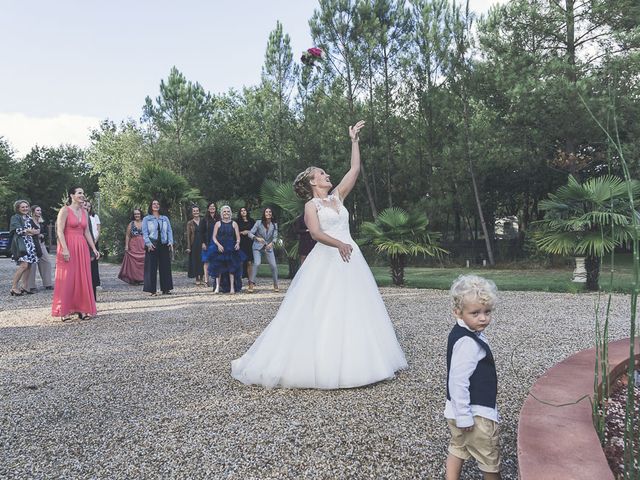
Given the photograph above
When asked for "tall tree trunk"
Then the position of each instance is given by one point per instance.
(570, 142)
(592, 266)
(387, 133)
(367, 187)
(476, 194)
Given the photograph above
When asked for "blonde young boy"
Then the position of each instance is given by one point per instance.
(472, 383)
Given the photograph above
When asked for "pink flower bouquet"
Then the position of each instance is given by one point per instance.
(311, 56)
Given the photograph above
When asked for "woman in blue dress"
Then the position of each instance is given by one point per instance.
(227, 260)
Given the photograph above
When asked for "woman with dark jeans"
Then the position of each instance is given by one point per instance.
(158, 241)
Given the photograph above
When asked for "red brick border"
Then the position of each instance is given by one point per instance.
(560, 443)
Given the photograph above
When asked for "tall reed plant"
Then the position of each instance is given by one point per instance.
(631, 466)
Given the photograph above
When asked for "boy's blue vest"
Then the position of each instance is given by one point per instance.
(483, 384)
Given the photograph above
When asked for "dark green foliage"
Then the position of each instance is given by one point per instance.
(47, 173)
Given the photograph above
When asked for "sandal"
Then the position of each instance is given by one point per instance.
(86, 316)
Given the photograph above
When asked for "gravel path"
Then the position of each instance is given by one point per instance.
(144, 391)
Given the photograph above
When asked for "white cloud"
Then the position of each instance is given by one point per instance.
(24, 132)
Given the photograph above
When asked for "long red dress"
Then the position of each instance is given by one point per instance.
(73, 289)
(132, 270)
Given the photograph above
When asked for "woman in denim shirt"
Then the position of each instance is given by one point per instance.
(158, 242)
(264, 235)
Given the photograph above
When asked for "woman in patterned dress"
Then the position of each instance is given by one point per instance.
(132, 270)
(23, 248)
(46, 264)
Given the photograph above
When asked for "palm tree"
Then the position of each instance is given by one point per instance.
(173, 191)
(398, 235)
(156, 181)
(587, 219)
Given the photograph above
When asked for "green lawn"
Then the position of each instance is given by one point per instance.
(513, 278)
(506, 278)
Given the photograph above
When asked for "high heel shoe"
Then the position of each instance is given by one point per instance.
(28, 292)
(15, 294)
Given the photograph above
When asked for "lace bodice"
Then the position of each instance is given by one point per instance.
(333, 216)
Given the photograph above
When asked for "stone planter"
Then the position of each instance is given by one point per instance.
(580, 272)
(556, 436)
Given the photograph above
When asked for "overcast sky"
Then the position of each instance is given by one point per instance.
(67, 64)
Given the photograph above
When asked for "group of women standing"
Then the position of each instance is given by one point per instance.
(222, 251)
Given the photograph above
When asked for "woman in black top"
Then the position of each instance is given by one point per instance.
(206, 233)
(245, 223)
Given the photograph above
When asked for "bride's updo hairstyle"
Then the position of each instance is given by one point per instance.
(302, 183)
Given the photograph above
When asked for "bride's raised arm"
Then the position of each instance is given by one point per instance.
(349, 180)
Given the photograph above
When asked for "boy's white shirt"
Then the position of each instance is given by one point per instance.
(464, 359)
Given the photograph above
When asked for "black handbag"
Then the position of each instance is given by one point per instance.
(18, 247)
(36, 241)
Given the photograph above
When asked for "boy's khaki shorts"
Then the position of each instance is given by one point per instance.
(481, 443)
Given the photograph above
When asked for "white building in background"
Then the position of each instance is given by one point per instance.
(506, 228)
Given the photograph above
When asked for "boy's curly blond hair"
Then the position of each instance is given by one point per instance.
(467, 288)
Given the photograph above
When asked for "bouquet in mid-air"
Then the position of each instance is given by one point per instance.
(312, 55)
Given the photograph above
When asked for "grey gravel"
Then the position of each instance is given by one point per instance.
(144, 391)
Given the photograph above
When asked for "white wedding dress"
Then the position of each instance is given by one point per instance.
(332, 329)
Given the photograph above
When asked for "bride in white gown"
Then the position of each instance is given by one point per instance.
(332, 329)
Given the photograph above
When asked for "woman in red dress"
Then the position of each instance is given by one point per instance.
(73, 291)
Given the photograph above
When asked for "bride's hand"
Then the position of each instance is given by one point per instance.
(345, 251)
(355, 130)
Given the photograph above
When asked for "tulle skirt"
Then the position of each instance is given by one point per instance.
(206, 255)
(332, 330)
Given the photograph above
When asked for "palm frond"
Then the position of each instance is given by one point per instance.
(557, 243)
(393, 217)
(595, 244)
